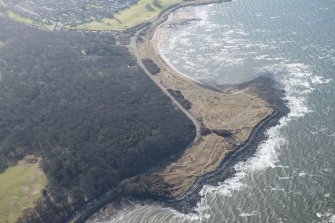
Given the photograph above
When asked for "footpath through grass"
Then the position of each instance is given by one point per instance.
(20, 187)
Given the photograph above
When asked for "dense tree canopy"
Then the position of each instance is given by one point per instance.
(83, 104)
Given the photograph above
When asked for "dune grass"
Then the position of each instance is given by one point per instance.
(20, 187)
(143, 11)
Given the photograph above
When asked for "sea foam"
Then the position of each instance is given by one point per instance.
(298, 81)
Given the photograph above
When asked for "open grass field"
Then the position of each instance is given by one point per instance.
(237, 113)
(143, 11)
(20, 187)
(204, 157)
(19, 18)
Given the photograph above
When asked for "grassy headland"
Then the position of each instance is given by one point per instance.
(227, 117)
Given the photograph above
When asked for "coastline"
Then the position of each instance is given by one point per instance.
(188, 201)
(92, 207)
(266, 89)
(153, 31)
(155, 42)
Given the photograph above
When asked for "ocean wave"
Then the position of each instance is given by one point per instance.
(298, 81)
(302, 174)
(328, 216)
(253, 213)
(285, 178)
(327, 195)
(149, 213)
(320, 80)
(332, 218)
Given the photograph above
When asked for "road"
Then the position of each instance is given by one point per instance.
(133, 45)
(81, 214)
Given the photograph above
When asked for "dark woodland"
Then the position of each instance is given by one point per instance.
(82, 104)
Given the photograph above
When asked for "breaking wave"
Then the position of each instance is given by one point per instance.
(233, 48)
(298, 81)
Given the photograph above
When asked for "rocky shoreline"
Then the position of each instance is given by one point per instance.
(187, 203)
(273, 95)
(266, 89)
(262, 88)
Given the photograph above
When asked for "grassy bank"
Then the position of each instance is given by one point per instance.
(20, 187)
(143, 11)
(20, 18)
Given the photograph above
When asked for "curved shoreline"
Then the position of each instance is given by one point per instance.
(187, 202)
(155, 29)
(155, 44)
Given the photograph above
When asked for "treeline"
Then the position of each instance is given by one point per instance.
(83, 104)
(151, 66)
(178, 95)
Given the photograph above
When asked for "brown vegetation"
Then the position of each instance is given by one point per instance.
(227, 118)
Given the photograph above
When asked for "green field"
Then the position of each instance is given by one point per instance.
(19, 18)
(143, 11)
(20, 187)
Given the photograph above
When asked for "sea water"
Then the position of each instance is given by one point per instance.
(291, 178)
